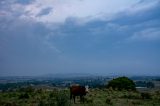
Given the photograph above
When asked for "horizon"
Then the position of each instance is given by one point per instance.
(102, 37)
(59, 75)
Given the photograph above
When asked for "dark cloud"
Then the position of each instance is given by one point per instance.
(150, 14)
(24, 2)
(44, 11)
(31, 47)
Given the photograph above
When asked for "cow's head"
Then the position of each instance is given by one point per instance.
(87, 88)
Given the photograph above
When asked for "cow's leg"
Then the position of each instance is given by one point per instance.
(81, 98)
(70, 96)
(74, 97)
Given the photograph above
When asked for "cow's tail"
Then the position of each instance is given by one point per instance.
(70, 94)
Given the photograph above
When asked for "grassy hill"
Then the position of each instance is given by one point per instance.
(96, 97)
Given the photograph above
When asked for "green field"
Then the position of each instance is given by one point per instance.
(95, 97)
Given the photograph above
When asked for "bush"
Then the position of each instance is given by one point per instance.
(28, 89)
(135, 103)
(62, 98)
(24, 96)
(108, 101)
(131, 96)
(145, 96)
(88, 100)
(54, 98)
(122, 83)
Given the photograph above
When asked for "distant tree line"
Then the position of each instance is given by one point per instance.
(145, 84)
(92, 83)
(157, 79)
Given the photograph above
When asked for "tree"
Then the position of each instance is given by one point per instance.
(122, 83)
(150, 85)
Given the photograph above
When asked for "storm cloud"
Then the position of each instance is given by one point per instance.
(106, 37)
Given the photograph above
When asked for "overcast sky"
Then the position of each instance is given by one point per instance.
(111, 37)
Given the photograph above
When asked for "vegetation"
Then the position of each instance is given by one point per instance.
(39, 97)
(95, 97)
(92, 82)
(119, 92)
(122, 83)
(146, 84)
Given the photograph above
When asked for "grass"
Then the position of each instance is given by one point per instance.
(96, 97)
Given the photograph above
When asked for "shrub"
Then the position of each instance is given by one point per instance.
(42, 103)
(135, 103)
(145, 96)
(131, 96)
(108, 101)
(62, 98)
(24, 96)
(89, 100)
(122, 83)
(28, 89)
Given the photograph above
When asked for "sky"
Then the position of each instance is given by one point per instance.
(106, 37)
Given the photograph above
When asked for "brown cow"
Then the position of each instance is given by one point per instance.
(77, 90)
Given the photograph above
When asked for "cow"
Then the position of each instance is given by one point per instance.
(77, 90)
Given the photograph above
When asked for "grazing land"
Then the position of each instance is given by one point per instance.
(47, 93)
(60, 97)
